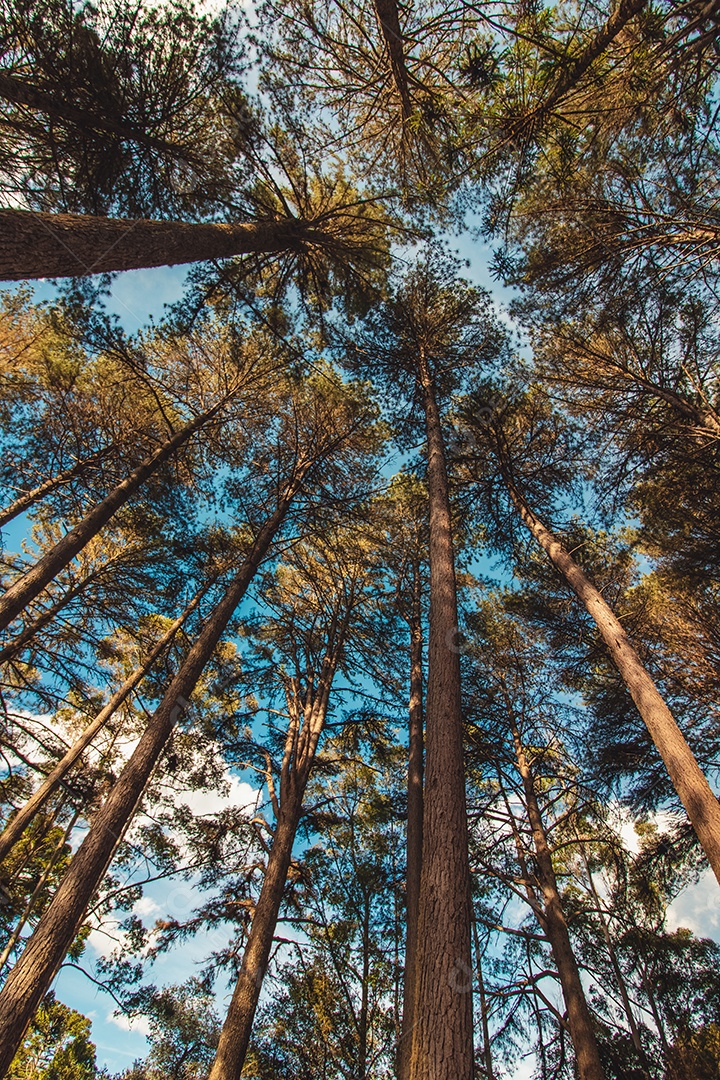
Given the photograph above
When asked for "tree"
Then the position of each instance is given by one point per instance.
(431, 327)
(56, 1047)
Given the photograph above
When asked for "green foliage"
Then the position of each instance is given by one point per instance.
(57, 1046)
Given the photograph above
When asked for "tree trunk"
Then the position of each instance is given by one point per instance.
(42, 245)
(15, 936)
(235, 1036)
(13, 648)
(619, 977)
(442, 1045)
(587, 1056)
(55, 777)
(573, 72)
(27, 587)
(24, 502)
(31, 977)
(414, 827)
(487, 1047)
(389, 19)
(688, 779)
(363, 1018)
(20, 92)
(299, 754)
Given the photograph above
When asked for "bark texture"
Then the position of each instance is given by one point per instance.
(31, 977)
(55, 777)
(414, 827)
(687, 777)
(554, 924)
(27, 587)
(442, 1045)
(42, 245)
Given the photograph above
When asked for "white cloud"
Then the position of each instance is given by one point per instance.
(146, 906)
(127, 1023)
(697, 908)
(240, 794)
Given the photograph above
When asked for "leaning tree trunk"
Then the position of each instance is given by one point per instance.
(42, 881)
(388, 16)
(484, 1011)
(235, 1036)
(619, 977)
(10, 651)
(20, 92)
(572, 73)
(414, 827)
(442, 1044)
(298, 758)
(29, 498)
(31, 977)
(688, 779)
(27, 587)
(587, 1056)
(55, 777)
(40, 245)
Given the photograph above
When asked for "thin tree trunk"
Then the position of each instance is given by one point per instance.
(619, 977)
(20, 92)
(657, 1018)
(29, 498)
(487, 1047)
(15, 936)
(236, 1031)
(31, 977)
(414, 826)
(364, 997)
(573, 72)
(298, 757)
(587, 1056)
(442, 1044)
(55, 777)
(389, 19)
(13, 648)
(27, 587)
(688, 779)
(41, 245)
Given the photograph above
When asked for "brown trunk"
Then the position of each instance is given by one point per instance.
(24, 502)
(690, 783)
(442, 1044)
(625, 11)
(31, 977)
(235, 1036)
(26, 588)
(414, 826)
(487, 1048)
(15, 936)
(41, 245)
(363, 1018)
(580, 1023)
(23, 93)
(299, 754)
(14, 647)
(300, 746)
(389, 19)
(619, 977)
(54, 779)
